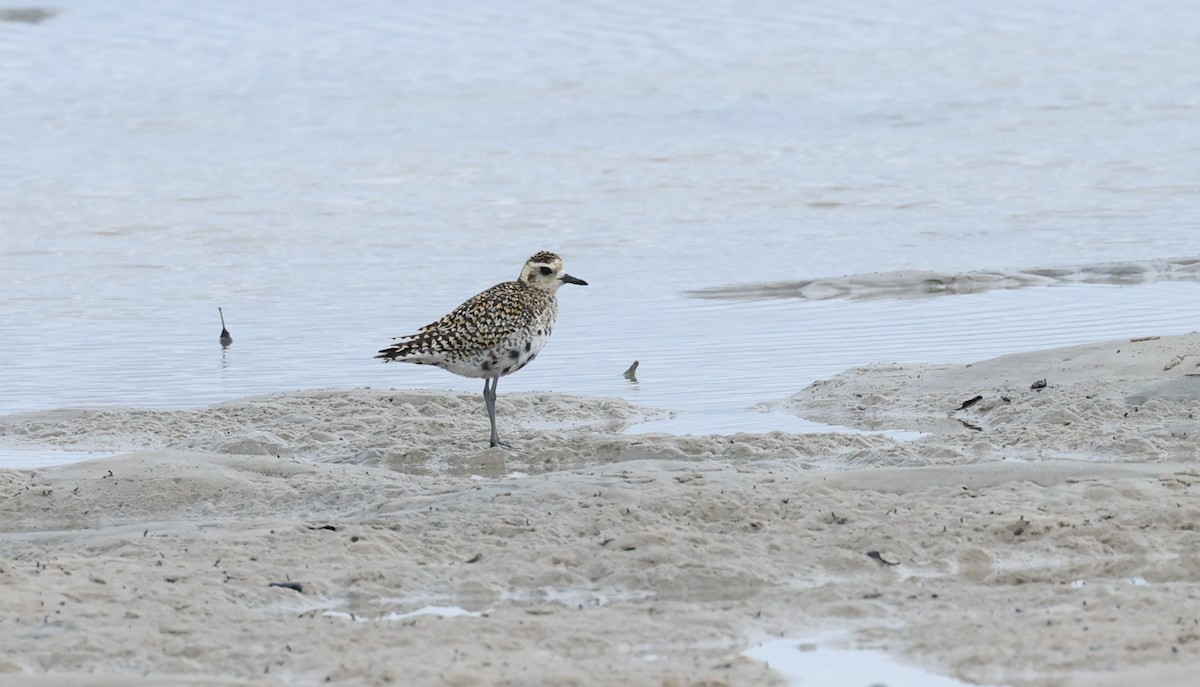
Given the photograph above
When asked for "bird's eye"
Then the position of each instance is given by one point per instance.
(546, 270)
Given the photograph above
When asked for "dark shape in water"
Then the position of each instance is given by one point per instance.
(631, 373)
(226, 339)
(26, 15)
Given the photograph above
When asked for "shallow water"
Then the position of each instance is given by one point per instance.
(21, 457)
(336, 175)
(815, 661)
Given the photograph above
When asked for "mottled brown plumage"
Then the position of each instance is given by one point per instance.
(477, 326)
(493, 333)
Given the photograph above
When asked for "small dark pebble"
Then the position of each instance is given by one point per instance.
(476, 558)
(1038, 385)
(294, 586)
(879, 557)
(331, 528)
(970, 402)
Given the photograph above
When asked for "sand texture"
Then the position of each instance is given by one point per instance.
(1033, 537)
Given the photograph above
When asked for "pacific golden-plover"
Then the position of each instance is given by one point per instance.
(494, 333)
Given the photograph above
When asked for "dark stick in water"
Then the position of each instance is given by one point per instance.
(226, 339)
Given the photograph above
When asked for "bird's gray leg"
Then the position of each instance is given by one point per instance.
(489, 400)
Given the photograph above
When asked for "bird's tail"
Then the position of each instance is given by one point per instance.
(392, 352)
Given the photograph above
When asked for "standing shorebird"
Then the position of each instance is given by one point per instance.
(493, 333)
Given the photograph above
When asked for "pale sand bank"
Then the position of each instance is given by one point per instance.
(1055, 545)
(909, 284)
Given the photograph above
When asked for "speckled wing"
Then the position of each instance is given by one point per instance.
(480, 323)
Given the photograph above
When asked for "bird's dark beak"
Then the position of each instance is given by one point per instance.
(568, 279)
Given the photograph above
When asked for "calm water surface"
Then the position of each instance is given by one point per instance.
(333, 175)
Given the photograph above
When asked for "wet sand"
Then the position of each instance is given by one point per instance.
(1033, 537)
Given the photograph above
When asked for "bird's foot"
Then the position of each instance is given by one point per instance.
(496, 443)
